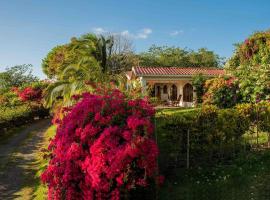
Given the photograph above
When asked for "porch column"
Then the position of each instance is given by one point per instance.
(143, 84)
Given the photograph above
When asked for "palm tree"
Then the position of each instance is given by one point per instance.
(90, 55)
(73, 80)
(104, 51)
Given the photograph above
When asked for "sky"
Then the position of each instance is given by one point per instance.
(29, 29)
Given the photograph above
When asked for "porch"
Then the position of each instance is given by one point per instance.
(178, 93)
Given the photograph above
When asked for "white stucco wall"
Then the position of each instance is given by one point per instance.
(180, 85)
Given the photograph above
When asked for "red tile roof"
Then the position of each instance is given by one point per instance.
(176, 71)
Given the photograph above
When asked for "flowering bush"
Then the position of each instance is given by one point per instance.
(102, 149)
(250, 64)
(223, 92)
(253, 51)
(30, 94)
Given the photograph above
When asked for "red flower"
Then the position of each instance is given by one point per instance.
(102, 145)
(30, 94)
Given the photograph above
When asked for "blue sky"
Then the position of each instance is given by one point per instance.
(29, 29)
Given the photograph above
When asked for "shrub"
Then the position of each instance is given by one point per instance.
(198, 82)
(214, 135)
(223, 92)
(257, 114)
(102, 149)
(19, 115)
(9, 99)
(30, 94)
(250, 64)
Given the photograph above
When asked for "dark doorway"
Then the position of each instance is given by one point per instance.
(158, 92)
(188, 93)
(173, 93)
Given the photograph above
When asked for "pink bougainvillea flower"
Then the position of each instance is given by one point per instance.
(103, 146)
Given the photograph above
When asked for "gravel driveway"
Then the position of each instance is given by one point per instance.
(17, 160)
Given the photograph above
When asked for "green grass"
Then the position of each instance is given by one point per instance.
(175, 111)
(40, 190)
(246, 178)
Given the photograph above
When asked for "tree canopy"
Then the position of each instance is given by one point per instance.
(113, 54)
(178, 57)
(16, 76)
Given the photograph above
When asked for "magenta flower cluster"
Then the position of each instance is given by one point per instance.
(103, 147)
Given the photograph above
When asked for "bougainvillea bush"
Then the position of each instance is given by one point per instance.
(103, 148)
(250, 64)
(30, 94)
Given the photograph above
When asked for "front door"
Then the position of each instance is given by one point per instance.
(188, 93)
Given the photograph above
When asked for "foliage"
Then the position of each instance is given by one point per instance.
(82, 49)
(106, 54)
(254, 51)
(19, 115)
(16, 76)
(258, 114)
(177, 57)
(215, 135)
(74, 80)
(198, 82)
(30, 94)
(222, 91)
(254, 82)
(251, 66)
(119, 63)
(122, 56)
(9, 99)
(103, 147)
(85, 61)
(19, 105)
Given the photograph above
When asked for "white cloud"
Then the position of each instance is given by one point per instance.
(176, 32)
(125, 33)
(144, 33)
(99, 30)
(141, 34)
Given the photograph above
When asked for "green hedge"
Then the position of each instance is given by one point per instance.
(214, 134)
(19, 115)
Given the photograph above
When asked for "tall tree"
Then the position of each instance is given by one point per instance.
(16, 76)
(72, 53)
(104, 51)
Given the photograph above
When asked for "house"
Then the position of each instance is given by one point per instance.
(170, 84)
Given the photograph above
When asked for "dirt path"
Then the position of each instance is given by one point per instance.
(17, 160)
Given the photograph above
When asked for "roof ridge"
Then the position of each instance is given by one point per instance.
(178, 67)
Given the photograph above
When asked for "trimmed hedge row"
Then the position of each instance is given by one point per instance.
(208, 134)
(19, 115)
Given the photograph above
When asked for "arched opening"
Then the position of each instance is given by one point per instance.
(165, 89)
(173, 93)
(188, 93)
(158, 92)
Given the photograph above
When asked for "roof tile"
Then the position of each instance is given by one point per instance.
(161, 71)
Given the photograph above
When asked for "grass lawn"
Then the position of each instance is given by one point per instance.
(175, 111)
(247, 177)
(40, 190)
